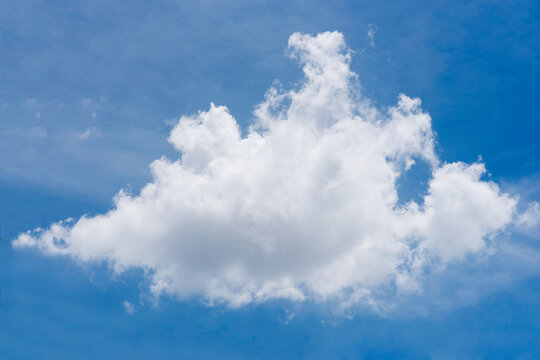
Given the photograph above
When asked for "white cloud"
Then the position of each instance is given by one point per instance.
(530, 218)
(129, 307)
(304, 206)
(91, 132)
(372, 29)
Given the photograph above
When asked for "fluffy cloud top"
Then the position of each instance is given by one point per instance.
(305, 205)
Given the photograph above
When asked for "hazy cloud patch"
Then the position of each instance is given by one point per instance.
(372, 29)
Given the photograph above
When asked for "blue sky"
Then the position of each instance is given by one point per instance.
(90, 92)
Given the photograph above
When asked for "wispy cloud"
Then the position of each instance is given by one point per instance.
(530, 218)
(129, 307)
(372, 29)
(38, 132)
(91, 132)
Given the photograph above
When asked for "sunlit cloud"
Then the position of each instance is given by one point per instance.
(304, 206)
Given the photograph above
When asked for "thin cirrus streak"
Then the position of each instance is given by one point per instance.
(305, 206)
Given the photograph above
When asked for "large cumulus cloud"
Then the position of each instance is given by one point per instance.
(305, 205)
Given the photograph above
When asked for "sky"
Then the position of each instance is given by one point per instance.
(253, 179)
